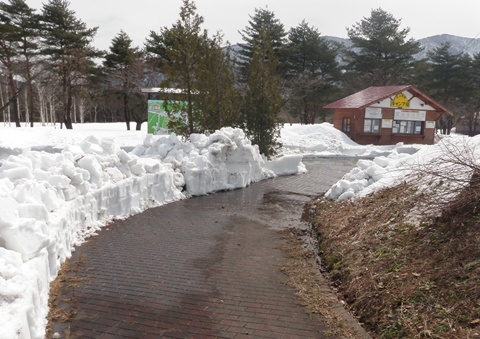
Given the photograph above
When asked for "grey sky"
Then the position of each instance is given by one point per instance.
(138, 17)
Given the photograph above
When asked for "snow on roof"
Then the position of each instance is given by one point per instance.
(165, 90)
(162, 90)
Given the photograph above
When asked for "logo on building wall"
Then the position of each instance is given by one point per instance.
(400, 101)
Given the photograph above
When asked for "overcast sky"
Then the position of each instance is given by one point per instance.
(138, 17)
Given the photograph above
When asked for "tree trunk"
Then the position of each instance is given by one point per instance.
(126, 110)
(305, 112)
(13, 103)
(27, 111)
(189, 106)
(2, 103)
(475, 122)
(74, 108)
(67, 109)
(31, 104)
(81, 109)
(314, 113)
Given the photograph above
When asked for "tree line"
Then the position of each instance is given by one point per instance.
(51, 73)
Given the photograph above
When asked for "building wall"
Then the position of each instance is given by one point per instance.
(391, 120)
(468, 126)
(385, 135)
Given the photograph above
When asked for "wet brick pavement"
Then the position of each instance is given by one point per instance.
(206, 267)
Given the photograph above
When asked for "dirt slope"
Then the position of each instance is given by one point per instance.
(404, 279)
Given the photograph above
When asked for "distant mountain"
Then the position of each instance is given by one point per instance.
(345, 42)
(458, 44)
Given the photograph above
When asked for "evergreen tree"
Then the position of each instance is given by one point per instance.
(473, 115)
(445, 75)
(263, 100)
(179, 50)
(262, 21)
(381, 54)
(312, 71)
(217, 100)
(67, 44)
(124, 67)
(25, 21)
(448, 79)
(10, 40)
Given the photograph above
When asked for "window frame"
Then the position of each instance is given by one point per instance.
(410, 128)
(374, 122)
(346, 124)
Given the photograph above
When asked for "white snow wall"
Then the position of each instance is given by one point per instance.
(31, 254)
(52, 202)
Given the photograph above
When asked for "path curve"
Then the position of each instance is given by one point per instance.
(206, 267)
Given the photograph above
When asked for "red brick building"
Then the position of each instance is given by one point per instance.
(387, 115)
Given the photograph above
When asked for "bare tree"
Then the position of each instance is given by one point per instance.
(450, 181)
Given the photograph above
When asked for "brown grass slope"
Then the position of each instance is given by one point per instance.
(404, 279)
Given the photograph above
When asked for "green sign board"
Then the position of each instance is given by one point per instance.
(157, 117)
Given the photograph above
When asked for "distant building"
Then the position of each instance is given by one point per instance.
(387, 115)
(468, 124)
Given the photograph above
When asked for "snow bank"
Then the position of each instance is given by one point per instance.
(371, 175)
(324, 140)
(50, 202)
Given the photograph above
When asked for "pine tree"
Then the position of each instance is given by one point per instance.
(381, 54)
(67, 44)
(312, 71)
(262, 21)
(262, 98)
(123, 66)
(444, 74)
(217, 100)
(178, 51)
(473, 115)
(449, 79)
(10, 40)
(25, 21)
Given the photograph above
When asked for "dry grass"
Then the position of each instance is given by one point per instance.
(313, 291)
(404, 280)
(61, 308)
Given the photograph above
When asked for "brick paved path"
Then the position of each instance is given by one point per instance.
(206, 267)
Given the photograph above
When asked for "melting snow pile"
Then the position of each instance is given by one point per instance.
(324, 140)
(371, 175)
(51, 201)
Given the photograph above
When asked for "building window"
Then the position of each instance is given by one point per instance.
(346, 125)
(407, 127)
(371, 126)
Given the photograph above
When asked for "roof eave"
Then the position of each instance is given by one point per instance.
(432, 101)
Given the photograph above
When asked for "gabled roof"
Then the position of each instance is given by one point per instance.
(374, 94)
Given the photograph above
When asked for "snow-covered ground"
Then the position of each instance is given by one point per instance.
(323, 140)
(58, 187)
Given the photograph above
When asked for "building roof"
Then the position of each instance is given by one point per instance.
(162, 90)
(374, 94)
